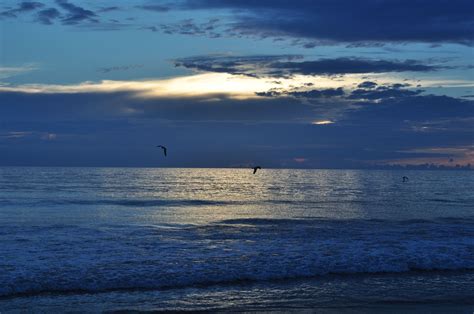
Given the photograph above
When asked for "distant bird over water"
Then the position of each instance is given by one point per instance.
(405, 179)
(256, 168)
(163, 148)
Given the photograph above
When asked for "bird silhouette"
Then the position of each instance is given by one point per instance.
(405, 179)
(163, 148)
(255, 169)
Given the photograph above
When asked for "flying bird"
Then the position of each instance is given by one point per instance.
(256, 168)
(405, 179)
(163, 148)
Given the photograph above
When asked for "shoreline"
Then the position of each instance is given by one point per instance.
(414, 292)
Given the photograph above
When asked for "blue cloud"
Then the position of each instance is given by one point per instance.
(383, 92)
(153, 7)
(353, 22)
(285, 65)
(314, 93)
(367, 84)
(76, 14)
(47, 16)
(22, 7)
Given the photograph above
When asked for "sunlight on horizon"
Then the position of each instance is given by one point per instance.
(322, 122)
(207, 84)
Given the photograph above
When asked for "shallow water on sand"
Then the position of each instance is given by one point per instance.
(121, 238)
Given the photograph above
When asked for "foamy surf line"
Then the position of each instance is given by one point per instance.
(69, 258)
(211, 283)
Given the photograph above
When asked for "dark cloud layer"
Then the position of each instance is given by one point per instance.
(109, 9)
(70, 14)
(367, 84)
(25, 6)
(311, 94)
(285, 65)
(208, 28)
(47, 16)
(243, 65)
(153, 7)
(403, 108)
(350, 65)
(383, 92)
(118, 128)
(120, 68)
(353, 22)
(307, 23)
(76, 14)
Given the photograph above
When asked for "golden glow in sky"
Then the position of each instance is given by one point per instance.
(207, 84)
(322, 122)
(237, 86)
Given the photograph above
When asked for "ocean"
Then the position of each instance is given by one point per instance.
(149, 239)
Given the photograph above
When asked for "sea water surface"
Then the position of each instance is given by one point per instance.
(113, 239)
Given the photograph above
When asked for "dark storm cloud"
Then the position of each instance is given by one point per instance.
(76, 14)
(22, 7)
(47, 16)
(354, 22)
(284, 65)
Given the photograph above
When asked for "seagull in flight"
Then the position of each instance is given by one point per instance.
(163, 148)
(256, 168)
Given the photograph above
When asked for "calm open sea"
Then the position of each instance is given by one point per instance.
(111, 239)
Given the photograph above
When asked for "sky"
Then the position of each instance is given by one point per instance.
(237, 83)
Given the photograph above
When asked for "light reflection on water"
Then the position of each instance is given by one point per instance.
(145, 195)
(70, 230)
